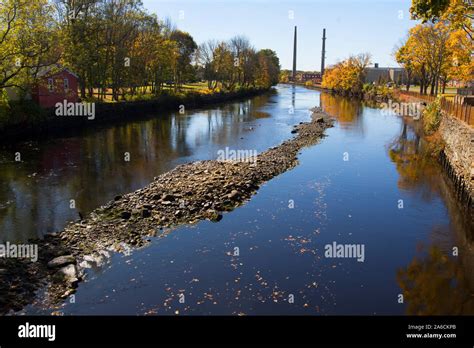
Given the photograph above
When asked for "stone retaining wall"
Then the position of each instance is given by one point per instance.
(458, 155)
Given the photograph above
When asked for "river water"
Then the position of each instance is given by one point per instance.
(369, 183)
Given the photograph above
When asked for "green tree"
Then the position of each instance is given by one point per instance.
(27, 41)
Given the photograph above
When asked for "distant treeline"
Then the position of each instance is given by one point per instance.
(117, 45)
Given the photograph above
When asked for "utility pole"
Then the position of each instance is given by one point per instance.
(323, 53)
(294, 58)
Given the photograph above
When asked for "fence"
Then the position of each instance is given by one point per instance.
(463, 112)
(428, 98)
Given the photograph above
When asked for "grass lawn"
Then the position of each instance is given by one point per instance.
(200, 87)
(416, 88)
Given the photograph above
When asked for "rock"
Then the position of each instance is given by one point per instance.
(68, 274)
(67, 293)
(217, 218)
(201, 190)
(95, 258)
(233, 195)
(167, 197)
(85, 264)
(125, 215)
(61, 261)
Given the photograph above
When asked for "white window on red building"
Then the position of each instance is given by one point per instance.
(50, 85)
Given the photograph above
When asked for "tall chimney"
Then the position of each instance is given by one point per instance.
(323, 52)
(294, 58)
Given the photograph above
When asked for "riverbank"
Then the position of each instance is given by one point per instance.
(187, 194)
(47, 124)
(457, 157)
(456, 154)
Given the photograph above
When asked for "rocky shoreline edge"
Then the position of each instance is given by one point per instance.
(185, 195)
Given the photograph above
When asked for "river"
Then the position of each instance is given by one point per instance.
(368, 183)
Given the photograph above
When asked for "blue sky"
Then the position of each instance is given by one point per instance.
(352, 26)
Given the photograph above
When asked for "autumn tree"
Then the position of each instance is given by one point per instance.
(186, 50)
(347, 77)
(434, 53)
(27, 40)
(458, 13)
(235, 63)
(268, 68)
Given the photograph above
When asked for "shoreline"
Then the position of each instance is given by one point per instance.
(185, 195)
(115, 113)
(456, 156)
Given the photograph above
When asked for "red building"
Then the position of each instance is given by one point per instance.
(55, 84)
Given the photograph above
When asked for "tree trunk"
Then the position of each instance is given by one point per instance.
(433, 83)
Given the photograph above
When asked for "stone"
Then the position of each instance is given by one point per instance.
(125, 215)
(167, 197)
(117, 198)
(68, 274)
(61, 261)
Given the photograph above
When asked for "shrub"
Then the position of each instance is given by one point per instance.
(432, 117)
(21, 111)
(4, 108)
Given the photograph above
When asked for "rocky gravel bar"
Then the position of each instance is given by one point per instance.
(185, 195)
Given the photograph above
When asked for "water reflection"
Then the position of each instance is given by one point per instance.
(90, 168)
(440, 281)
(346, 110)
(438, 285)
(434, 282)
(413, 160)
(349, 202)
